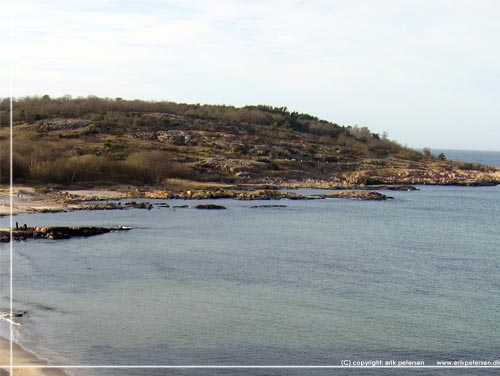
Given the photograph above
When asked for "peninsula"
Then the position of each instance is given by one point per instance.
(137, 148)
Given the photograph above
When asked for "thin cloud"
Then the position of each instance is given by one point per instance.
(410, 68)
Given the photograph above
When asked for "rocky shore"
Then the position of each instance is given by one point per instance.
(358, 195)
(247, 195)
(210, 207)
(56, 232)
(366, 177)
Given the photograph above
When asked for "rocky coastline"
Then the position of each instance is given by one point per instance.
(358, 195)
(55, 232)
(402, 177)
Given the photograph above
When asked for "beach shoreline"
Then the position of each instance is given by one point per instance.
(25, 199)
(23, 357)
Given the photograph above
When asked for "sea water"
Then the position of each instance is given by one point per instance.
(491, 158)
(313, 283)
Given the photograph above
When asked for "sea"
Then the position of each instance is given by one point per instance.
(326, 282)
(491, 158)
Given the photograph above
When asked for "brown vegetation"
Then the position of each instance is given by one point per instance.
(106, 141)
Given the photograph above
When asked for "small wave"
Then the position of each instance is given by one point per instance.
(6, 315)
(42, 306)
(31, 304)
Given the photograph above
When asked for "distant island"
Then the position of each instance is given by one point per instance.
(101, 142)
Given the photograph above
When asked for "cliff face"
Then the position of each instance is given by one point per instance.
(257, 145)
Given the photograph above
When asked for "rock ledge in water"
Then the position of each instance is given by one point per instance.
(56, 232)
(210, 206)
(360, 195)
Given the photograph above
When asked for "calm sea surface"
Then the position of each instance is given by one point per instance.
(491, 158)
(316, 282)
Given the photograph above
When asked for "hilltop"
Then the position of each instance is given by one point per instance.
(99, 141)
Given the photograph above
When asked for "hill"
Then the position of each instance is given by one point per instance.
(102, 141)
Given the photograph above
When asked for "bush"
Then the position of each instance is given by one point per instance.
(73, 170)
(20, 167)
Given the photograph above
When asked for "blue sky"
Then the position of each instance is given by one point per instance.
(426, 71)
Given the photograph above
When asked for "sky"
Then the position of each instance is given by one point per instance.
(425, 71)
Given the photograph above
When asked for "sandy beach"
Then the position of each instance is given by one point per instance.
(22, 357)
(28, 200)
(24, 200)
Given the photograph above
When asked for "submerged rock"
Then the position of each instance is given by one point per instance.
(210, 207)
(268, 206)
(120, 206)
(269, 194)
(104, 206)
(359, 195)
(57, 232)
(50, 210)
(396, 187)
(139, 205)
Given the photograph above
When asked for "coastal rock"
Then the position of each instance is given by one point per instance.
(266, 194)
(425, 174)
(62, 232)
(50, 210)
(206, 194)
(118, 206)
(210, 207)
(158, 194)
(139, 205)
(359, 195)
(104, 206)
(395, 187)
(260, 194)
(268, 206)
(192, 194)
(56, 232)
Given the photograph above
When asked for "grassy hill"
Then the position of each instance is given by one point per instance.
(101, 141)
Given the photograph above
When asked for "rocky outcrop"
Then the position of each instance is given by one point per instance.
(191, 194)
(210, 207)
(57, 232)
(359, 195)
(59, 124)
(437, 175)
(267, 194)
(62, 232)
(396, 187)
(261, 194)
(119, 206)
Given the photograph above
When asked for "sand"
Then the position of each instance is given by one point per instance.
(28, 200)
(24, 358)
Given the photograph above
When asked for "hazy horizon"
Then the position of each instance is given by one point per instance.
(423, 71)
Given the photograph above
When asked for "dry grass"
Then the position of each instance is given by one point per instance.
(183, 184)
